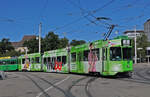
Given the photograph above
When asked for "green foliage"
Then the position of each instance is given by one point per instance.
(63, 42)
(5, 46)
(50, 42)
(6, 49)
(32, 45)
(77, 42)
(12, 53)
(142, 42)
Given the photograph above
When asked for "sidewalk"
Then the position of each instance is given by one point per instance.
(142, 64)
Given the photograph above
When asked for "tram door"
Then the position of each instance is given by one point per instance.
(79, 62)
(104, 57)
(69, 60)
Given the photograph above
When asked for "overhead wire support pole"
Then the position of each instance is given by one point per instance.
(40, 30)
(135, 59)
(109, 32)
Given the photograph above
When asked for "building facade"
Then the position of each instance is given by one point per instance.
(147, 29)
(19, 45)
(131, 33)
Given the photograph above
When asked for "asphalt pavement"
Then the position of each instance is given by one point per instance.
(41, 84)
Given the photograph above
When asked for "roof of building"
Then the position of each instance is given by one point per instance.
(147, 22)
(28, 37)
(20, 43)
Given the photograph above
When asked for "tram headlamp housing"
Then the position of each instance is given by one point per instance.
(126, 42)
(116, 68)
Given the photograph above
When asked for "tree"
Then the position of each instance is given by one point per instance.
(77, 42)
(32, 45)
(5, 46)
(6, 49)
(51, 42)
(142, 42)
(12, 53)
(63, 42)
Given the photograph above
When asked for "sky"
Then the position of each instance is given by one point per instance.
(74, 19)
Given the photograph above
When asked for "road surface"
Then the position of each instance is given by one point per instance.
(40, 84)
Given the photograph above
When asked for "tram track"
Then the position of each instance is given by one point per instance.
(74, 84)
(53, 85)
(37, 85)
(44, 91)
(86, 86)
(67, 93)
(142, 74)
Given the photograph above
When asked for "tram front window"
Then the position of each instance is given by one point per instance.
(115, 53)
(127, 53)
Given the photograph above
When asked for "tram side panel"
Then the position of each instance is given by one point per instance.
(56, 61)
(30, 62)
(86, 59)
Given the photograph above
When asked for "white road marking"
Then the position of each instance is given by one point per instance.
(52, 86)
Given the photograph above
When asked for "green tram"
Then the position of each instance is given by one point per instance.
(107, 58)
(56, 60)
(8, 64)
(30, 62)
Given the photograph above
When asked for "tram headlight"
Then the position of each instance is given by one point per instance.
(116, 67)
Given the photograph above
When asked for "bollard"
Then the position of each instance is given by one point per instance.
(2, 75)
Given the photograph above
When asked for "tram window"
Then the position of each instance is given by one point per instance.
(7, 62)
(53, 60)
(59, 59)
(86, 55)
(12, 62)
(115, 53)
(73, 57)
(48, 60)
(1, 62)
(23, 61)
(45, 60)
(126, 53)
(15, 61)
(32, 60)
(64, 59)
(37, 60)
